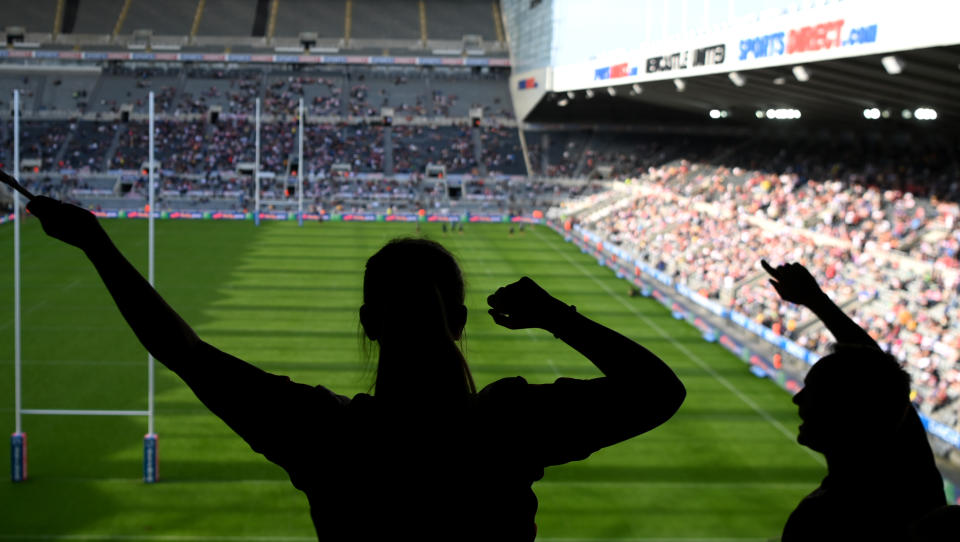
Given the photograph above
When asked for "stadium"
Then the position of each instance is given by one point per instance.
(638, 159)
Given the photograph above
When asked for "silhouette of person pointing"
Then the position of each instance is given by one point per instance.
(425, 457)
(855, 410)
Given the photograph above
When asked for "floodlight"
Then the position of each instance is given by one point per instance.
(780, 81)
(759, 114)
(907, 114)
(892, 64)
(737, 79)
(571, 94)
(781, 114)
(885, 113)
(611, 91)
(637, 89)
(873, 113)
(680, 84)
(714, 113)
(925, 113)
(563, 102)
(589, 93)
(801, 74)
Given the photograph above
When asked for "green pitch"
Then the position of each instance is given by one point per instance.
(285, 298)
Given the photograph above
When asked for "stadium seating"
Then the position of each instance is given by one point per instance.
(35, 16)
(97, 18)
(452, 20)
(363, 26)
(30, 86)
(708, 227)
(369, 20)
(325, 17)
(222, 18)
(167, 18)
(88, 146)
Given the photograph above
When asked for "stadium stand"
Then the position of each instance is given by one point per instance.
(42, 140)
(364, 27)
(71, 93)
(167, 18)
(88, 146)
(887, 255)
(453, 20)
(234, 92)
(223, 18)
(99, 18)
(117, 90)
(30, 86)
(619, 154)
(369, 21)
(35, 16)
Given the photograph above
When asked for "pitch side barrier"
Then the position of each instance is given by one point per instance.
(316, 217)
(676, 297)
(325, 217)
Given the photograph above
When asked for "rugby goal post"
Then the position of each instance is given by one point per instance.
(18, 441)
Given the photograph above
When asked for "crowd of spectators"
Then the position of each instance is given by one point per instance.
(322, 95)
(201, 146)
(416, 146)
(42, 140)
(624, 154)
(88, 146)
(886, 255)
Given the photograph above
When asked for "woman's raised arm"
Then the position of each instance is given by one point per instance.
(158, 327)
(637, 392)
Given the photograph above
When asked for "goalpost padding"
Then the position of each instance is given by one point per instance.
(150, 464)
(18, 456)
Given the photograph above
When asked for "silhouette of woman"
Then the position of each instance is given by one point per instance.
(855, 410)
(425, 456)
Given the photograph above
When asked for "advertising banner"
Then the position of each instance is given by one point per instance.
(262, 59)
(838, 30)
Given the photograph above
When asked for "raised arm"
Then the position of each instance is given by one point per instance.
(632, 372)
(795, 284)
(161, 330)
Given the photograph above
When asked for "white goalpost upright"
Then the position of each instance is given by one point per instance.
(256, 170)
(300, 168)
(18, 442)
(19, 438)
(150, 439)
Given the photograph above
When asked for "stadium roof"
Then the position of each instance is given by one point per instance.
(837, 92)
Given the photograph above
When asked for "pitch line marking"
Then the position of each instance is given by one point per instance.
(693, 357)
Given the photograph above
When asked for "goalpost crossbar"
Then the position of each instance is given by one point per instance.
(74, 412)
